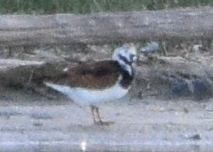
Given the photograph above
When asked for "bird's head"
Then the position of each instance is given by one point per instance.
(125, 55)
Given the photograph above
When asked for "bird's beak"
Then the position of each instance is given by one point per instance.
(135, 60)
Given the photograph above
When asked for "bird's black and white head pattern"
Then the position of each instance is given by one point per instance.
(126, 56)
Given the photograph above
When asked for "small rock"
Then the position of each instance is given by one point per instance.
(195, 137)
(40, 116)
(37, 124)
(201, 88)
(179, 88)
(185, 110)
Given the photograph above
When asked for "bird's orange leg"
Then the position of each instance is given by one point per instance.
(98, 116)
(100, 121)
(93, 114)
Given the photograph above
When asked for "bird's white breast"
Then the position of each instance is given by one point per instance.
(85, 96)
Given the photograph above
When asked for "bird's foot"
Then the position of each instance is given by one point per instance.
(104, 123)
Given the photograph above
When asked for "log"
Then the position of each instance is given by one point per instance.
(18, 72)
(101, 28)
(167, 77)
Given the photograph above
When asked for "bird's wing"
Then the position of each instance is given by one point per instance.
(97, 75)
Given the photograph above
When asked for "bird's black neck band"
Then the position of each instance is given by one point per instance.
(124, 60)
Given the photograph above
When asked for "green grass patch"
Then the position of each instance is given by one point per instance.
(90, 6)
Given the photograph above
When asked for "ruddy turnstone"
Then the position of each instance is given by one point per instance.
(95, 83)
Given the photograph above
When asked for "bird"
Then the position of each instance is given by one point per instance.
(92, 84)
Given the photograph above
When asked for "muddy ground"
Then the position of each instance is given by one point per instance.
(31, 122)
